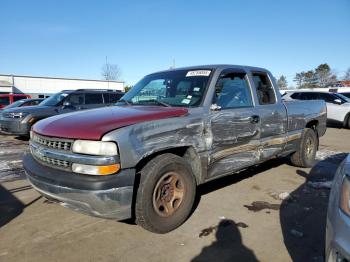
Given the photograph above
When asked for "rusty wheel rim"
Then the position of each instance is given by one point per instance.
(309, 148)
(168, 194)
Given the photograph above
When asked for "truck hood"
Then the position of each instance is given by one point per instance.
(93, 124)
(28, 109)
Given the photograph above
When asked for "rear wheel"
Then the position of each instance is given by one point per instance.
(165, 195)
(306, 154)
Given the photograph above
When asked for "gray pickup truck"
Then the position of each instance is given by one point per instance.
(172, 131)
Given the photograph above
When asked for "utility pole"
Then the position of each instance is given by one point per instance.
(173, 64)
(107, 71)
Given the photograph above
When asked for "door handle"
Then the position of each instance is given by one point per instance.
(255, 119)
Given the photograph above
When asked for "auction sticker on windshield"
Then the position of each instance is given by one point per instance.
(198, 73)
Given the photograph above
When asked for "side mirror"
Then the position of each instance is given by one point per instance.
(337, 101)
(215, 107)
(66, 104)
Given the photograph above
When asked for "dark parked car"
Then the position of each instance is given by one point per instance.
(24, 102)
(338, 216)
(18, 121)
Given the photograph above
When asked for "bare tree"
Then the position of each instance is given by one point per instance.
(347, 75)
(324, 75)
(299, 79)
(111, 71)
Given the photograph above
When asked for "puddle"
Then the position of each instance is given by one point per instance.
(261, 205)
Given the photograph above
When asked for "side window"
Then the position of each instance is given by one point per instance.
(232, 91)
(4, 100)
(29, 103)
(76, 99)
(106, 98)
(113, 98)
(295, 95)
(308, 96)
(16, 98)
(93, 98)
(328, 98)
(264, 88)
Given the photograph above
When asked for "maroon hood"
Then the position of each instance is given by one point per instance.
(93, 124)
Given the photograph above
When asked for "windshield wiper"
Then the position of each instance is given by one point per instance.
(159, 102)
(129, 103)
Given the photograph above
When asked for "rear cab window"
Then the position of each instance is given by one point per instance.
(264, 89)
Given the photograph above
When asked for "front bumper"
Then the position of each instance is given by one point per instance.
(108, 196)
(337, 237)
(14, 127)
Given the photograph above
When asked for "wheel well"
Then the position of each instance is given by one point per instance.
(313, 124)
(187, 152)
(346, 119)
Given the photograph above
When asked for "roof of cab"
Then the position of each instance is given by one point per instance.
(216, 66)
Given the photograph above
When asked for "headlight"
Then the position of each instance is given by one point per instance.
(344, 203)
(97, 148)
(17, 115)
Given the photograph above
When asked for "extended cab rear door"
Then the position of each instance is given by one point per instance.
(235, 126)
(272, 113)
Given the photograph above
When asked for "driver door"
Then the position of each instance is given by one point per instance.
(235, 125)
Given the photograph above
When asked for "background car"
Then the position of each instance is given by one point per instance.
(7, 99)
(24, 102)
(18, 121)
(338, 105)
(338, 216)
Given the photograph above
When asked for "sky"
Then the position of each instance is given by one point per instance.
(72, 38)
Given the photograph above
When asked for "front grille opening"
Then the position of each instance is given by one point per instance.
(53, 143)
(61, 164)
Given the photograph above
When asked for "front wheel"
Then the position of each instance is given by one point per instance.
(306, 154)
(166, 194)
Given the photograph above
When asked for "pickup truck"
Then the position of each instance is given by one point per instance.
(173, 131)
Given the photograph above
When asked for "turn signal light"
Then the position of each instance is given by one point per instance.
(95, 170)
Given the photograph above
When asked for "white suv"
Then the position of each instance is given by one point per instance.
(338, 105)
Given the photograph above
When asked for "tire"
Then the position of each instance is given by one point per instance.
(306, 154)
(348, 122)
(165, 194)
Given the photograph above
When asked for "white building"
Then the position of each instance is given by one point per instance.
(38, 86)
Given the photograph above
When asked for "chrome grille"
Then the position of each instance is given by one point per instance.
(55, 143)
(62, 164)
(6, 115)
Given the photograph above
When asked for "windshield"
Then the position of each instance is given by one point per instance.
(54, 100)
(173, 88)
(342, 97)
(15, 104)
(346, 94)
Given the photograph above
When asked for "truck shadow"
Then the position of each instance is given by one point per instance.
(10, 206)
(228, 245)
(303, 216)
(235, 178)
